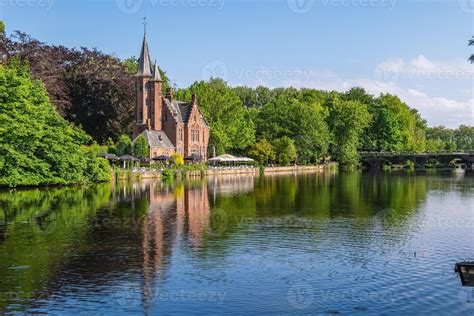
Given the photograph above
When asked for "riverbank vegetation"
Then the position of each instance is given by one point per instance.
(38, 146)
(94, 91)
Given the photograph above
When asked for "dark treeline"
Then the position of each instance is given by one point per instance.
(95, 91)
(89, 88)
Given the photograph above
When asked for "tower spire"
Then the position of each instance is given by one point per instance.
(145, 23)
(144, 64)
(156, 73)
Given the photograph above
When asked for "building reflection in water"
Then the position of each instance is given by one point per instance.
(176, 214)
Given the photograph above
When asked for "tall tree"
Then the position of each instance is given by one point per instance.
(304, 122)
(89, 88)
(347, 121)
(464, 137)
(37, 146)
(140, 147)
(231, 126)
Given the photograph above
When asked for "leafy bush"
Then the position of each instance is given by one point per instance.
(37, 146)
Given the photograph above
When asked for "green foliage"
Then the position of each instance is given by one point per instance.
(262, 152)
(464, 138)
(347, 120)
(2, 28)
(285, 150)
(140, 147)
(289, 114)
(124, 145)
(440, 138)
(110, 145)
(168, 173)
(231, 126)
(177, 159)
(253, 98)
(410, 126)
(37, 146)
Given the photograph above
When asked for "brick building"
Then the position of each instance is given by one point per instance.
(168, 125)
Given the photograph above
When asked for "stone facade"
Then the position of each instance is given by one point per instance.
(170, 126)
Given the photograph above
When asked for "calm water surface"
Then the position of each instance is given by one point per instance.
(327, 243)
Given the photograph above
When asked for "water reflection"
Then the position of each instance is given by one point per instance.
(124, 247)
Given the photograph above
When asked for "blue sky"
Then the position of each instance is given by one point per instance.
(415, 49)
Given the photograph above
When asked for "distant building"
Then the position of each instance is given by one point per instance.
(168, 125)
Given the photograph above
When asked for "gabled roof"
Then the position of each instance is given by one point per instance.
(156, 139)
(185, 109)
(144, 64)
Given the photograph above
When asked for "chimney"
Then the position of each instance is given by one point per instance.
(169, 94)
(194, 98)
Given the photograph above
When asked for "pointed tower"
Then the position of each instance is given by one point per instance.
(156, 99)
(143, 90)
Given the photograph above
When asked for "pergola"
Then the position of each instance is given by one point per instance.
(128, 158)
(229, 160)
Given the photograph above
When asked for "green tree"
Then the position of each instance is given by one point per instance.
(253, 98)
(140, 147)
(289, 114)
(231, 126)
(285, 150)
(347, 120)
(37, 146)
(124, 145)
(440, 138)
(409, 126)
(262, 152)
(464, 137)
(2, 28)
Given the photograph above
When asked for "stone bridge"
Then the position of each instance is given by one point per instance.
(376, 160)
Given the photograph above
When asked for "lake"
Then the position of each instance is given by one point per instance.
(317, 243)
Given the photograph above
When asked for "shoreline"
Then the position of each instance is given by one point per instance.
(137, 175)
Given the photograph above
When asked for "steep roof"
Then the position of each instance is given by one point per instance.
(181, 110)
(144, 64)
(185, 109)
(157, 139)
(156, 73)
